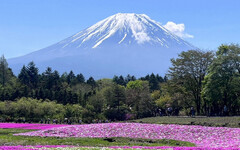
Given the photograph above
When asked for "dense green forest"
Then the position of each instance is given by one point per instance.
(204, 81)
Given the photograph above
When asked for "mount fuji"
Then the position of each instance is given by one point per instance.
(125, 43)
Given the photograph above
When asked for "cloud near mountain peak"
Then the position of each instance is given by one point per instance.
(178, 29)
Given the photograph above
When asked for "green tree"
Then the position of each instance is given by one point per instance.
(4, 71)
(23, 76)
(221, 85)
(115, 97)
(92, 82)
(73, 111)
(129, 78)
(98, 102)
(71, 77)
(56, 81)
(80, 78)
(47, 78)
(153, 82)
(33, 74)
(119, 80)
(138, 98)
(188, 72)
(29, 75)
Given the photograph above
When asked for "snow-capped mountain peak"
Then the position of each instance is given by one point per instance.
(124, 43)
(123, 28)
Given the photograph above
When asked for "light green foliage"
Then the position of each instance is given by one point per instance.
(73, 111)
(139, 98)
(164, 101)
(137, 85)
(35, 110)
(156, 94)
(103, 83)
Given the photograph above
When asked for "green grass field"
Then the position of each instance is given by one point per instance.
(8, 139)
(205, 121)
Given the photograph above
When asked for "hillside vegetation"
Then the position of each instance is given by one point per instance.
(198, 83)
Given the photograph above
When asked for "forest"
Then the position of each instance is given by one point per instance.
(206, 81)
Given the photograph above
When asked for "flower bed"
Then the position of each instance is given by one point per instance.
(66, 147)
(30, 126)
(214, 137)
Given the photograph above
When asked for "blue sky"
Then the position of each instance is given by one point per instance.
(29, 25)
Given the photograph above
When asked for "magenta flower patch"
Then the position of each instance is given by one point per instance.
(204, 137)
(67, 147)
(30, 126)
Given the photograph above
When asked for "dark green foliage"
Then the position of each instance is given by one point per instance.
(123, 81)
(92, 82)
(29, 76)
(119, 80)
(193, 81)
(115, 100)
(153, 82)
(80, 78)
(7, 81)
(188, 72)
(4, 71)
(32, 72)
(222, 84)
(23, 76)
(71, 78)
(139, 99)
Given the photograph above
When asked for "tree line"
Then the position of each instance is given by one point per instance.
(206, 81)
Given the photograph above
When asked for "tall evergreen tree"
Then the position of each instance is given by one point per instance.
(48, 78)
(23, 76)
(56, 81)
(4, 74)
(153, 83)
(121, 81)
(92, 82)
(80, 78)
(32, 71)
(71, 77)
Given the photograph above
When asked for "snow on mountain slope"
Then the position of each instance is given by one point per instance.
(125, 29)
(119, 43)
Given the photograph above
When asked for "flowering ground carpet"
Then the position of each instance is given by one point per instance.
(203, 137)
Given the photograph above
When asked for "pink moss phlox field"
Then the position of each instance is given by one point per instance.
(215, 137)
(111, 147)
(30, 126)
(171, 148)
(37, 147)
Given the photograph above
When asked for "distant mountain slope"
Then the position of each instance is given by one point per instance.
(120, 44)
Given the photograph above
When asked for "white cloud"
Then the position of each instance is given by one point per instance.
(141, 37)
(177, 29)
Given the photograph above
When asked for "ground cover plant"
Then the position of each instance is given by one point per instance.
(8, 139)
(215, 137)
(64, 147)
(30, 126)
(198, 120)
